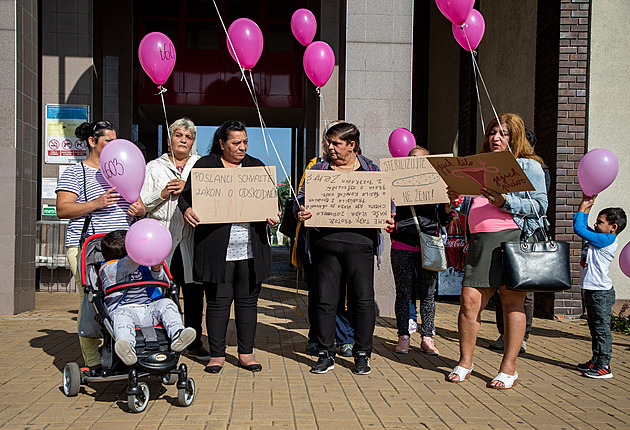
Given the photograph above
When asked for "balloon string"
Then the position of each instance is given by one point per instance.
(161, 94)
(483, 125)
(476, 65)
(251, 92)
(321, 100)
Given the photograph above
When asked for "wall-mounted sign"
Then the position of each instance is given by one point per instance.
(62, 146)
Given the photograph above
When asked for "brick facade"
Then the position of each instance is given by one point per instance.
(560, 124)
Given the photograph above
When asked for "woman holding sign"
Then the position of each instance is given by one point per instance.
(343, 253)
(494, 218)
(164, 181)
(230, 259)
(92, 206)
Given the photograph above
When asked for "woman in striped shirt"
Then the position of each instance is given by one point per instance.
(82, 190)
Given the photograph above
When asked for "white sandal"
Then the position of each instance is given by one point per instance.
(508, 381)
(461, 372)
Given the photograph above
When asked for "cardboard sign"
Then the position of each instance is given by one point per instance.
(347, 199)
(222, 195)
(414, 180)
(497, 171)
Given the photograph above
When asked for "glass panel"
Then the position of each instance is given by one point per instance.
(202, 35)
(167, 27)
(242, 9)
(282, 10)
(280, 38)
(161, 8)
(200, 9)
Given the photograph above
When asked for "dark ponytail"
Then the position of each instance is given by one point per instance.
(223, 132)
(94, 130)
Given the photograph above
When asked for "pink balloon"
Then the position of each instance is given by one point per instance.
(318, 62)
(624, 260)
(455, 10)
(474, 27)
(401, 141)
(303, 26)
(247, 40)
(148, 242)
(157, 56)
(122, 164)
(597, 170)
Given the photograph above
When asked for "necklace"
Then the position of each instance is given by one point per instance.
(354, 165)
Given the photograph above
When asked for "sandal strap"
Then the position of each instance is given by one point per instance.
(507, 380)
(461, 372)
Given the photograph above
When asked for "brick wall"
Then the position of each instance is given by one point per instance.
(560, 124)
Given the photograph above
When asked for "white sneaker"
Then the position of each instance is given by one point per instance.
(183, 338)
(126, 352)
(413, 326)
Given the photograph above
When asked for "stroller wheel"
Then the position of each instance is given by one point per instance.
(170, 379)
(185, 396)
(71, 379)
(138, 402)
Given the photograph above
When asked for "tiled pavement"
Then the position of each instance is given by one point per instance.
(407, 391)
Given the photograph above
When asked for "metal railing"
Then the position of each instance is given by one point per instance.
(50, 256)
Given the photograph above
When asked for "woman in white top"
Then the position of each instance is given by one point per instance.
(231, 259)
(164, 181)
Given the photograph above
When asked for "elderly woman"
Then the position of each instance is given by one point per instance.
(231, 260)
(83, 193)
(163, 184)
(343, 253)
(494, 218)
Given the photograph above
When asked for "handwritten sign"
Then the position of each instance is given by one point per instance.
(234, 195)
(497, 171)
(347, 199)
(414, 181)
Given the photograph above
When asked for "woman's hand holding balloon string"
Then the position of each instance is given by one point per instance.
(303, 214)
(137, 209)
(173, 187)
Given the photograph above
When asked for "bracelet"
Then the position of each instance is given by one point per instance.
(458, 201)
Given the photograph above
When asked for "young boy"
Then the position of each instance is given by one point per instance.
(137, 307)
(598, 293)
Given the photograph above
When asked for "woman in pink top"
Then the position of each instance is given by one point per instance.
(494, 218)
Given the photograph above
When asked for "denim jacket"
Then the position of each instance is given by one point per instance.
(526, 207)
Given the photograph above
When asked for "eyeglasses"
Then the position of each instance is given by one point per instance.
(102, 124)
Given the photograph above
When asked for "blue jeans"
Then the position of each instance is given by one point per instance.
(599, 305)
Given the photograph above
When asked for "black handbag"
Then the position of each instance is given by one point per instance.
(539, 265)
(288, 223)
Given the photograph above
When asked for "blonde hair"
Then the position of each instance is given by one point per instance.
(418, 148)
(186, 124)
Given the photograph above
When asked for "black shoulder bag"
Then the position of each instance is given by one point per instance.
(88, 217)
(538, 265)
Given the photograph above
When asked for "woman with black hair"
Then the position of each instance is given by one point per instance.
(232, 259)
(83, 192)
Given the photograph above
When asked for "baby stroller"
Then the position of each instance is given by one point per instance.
(155, 359)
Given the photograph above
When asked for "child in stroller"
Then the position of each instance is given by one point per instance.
(148, 347)
(142, 307)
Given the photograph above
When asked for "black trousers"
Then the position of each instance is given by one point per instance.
(239, 287)
(332, 260)
(193, 298)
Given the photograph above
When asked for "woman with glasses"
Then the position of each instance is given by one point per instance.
(92, 206)
(163, 184)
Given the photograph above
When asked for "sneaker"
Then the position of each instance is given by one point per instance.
(599, 371)
(583, 367)
(183, 338)
(324, 363)
(126, 352)
(428, 347)
(361, 363)
(413, 326)
(345, 350)
(498, 344)
(523, 347)
(403, 345)
(312, 348)
(198, 352)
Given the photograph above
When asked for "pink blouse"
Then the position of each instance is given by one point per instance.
(484, 217)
